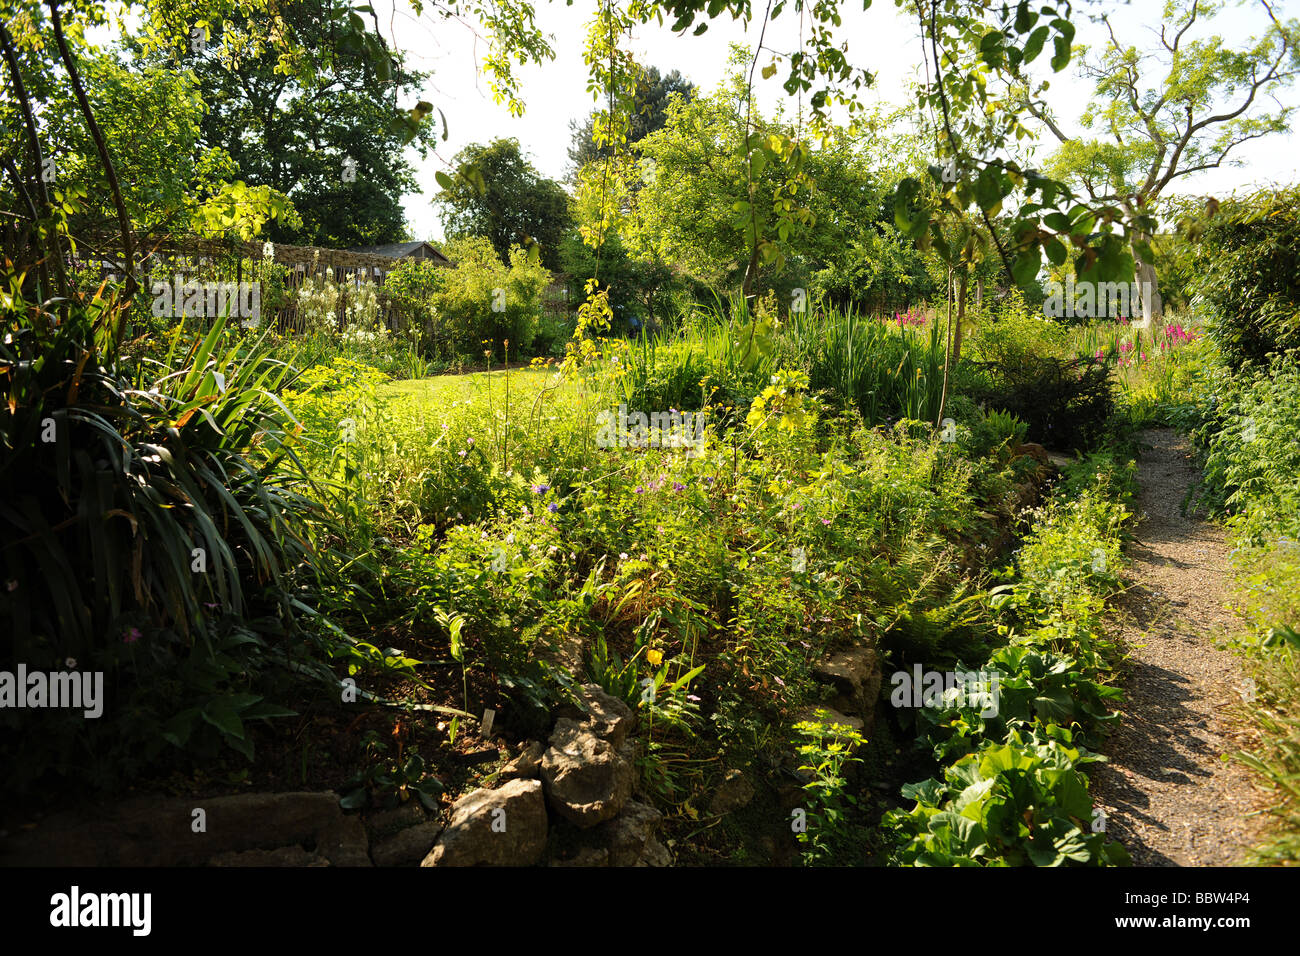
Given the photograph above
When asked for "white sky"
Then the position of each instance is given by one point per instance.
(881, 39)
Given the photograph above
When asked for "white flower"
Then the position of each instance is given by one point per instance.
(268, 250)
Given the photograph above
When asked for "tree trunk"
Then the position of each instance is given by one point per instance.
(961, 315)
(1152, 305)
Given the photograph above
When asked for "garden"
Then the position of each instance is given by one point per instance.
(766, 493)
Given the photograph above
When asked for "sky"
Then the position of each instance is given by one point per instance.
(882, 39)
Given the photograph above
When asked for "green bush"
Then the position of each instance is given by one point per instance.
(482, 303)
(1248, 263)
(156, 528)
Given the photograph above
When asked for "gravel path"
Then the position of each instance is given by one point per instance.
(1168, 796)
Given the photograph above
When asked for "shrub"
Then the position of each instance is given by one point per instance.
(484, 301)
(1249, 274)
(155, 529)
(1064, 403)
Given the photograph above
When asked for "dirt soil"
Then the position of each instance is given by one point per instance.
(1168, 795)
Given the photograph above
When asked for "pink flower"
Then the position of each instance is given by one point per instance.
(132, 635)
(826, 520)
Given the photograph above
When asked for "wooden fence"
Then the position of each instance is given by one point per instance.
(214, 261)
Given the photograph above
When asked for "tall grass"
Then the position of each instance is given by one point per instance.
(882, 371)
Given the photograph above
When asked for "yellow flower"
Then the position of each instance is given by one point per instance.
(654, 657)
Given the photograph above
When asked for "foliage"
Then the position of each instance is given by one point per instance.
(483, 303)
(1010, 804)
(649, 112)
(1247, 262)
(827, 750)
(389, 781)
(164, 508)
(516, 206)
(324, 137)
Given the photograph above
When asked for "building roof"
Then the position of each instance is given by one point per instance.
(404, 250)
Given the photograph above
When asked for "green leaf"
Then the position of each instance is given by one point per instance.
(1025, 268)
(354, 800)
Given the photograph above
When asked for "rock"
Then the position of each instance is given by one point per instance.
(609, 718)
(527, 765)
(344, 843)
(734, 792)
(855, 674)
(284, 856)
(655, 854)
(627, 834)
(385, 823)
(828, 715)
(584, 856)
(503, 827)
(407, 847)
(1034, 451)
(159, 831)
(587, 780)
(629, 839)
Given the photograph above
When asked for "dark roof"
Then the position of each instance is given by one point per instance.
(403, 250)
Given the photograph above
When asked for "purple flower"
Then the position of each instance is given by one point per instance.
(541, 489)
(132, 635)
(552, 507)
(708, 479)
(640, 490)
(678, 486)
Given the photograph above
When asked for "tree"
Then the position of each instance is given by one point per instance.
(1169, 112)
(149, 119)
(325, 138)
(500, 196)
(649, 113)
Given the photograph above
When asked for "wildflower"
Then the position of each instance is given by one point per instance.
(622, 555)
(640, 490)
(552, 507)
(461, 453)
(541, 489)
(654, 657)
(678, 486)
(469, 441)
(70, 663)
(132, 635)
(826, 520)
